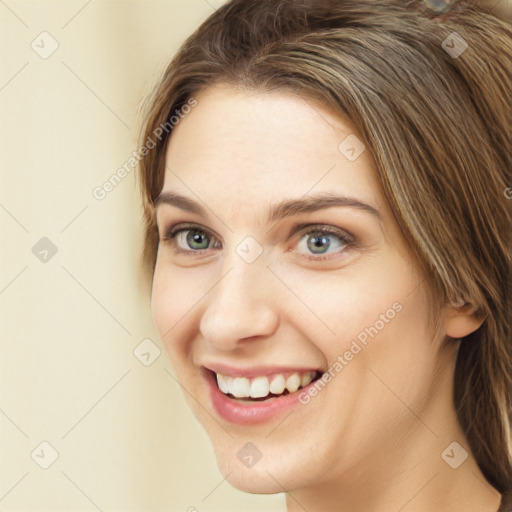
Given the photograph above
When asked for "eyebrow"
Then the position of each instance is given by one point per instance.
(285, 208)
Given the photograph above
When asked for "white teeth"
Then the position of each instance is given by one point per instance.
(239, 387)
(259, 387)
(229, 382)
(277, 386)
(293, 382)
(222, 382)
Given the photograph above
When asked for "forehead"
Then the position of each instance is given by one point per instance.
(241, 148)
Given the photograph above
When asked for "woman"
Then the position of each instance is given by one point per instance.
(327, 230)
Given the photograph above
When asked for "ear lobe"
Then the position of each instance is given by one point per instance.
(462, 320)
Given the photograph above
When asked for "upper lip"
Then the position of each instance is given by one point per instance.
(255, 371)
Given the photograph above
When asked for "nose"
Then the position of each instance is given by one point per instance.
(241, 306)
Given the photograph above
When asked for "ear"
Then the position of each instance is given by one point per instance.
(461, 320)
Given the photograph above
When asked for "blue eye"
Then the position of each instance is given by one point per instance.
(320, 240)
(195, 239)
(192, 239)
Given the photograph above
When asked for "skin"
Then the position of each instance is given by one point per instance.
(372, 439)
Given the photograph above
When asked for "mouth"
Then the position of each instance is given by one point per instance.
(257, 398)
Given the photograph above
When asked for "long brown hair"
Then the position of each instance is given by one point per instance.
(428, 93)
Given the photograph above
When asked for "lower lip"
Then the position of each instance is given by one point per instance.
(250, 413)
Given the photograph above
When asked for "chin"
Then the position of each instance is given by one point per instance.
(255, 481)
(269, 475)
(262, 484)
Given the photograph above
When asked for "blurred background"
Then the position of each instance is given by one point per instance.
(91, 417)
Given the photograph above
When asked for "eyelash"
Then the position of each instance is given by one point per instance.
(302, 229)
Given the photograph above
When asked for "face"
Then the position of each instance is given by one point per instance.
(254, 295)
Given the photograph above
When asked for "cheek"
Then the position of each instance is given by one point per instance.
(361, 303)
(383, 356)
(395, 372)
(406, 357)
(175, 294)
(380, 322)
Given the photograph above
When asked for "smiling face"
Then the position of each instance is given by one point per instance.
(251, 289)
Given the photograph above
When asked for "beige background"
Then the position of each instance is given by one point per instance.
(125, 439)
